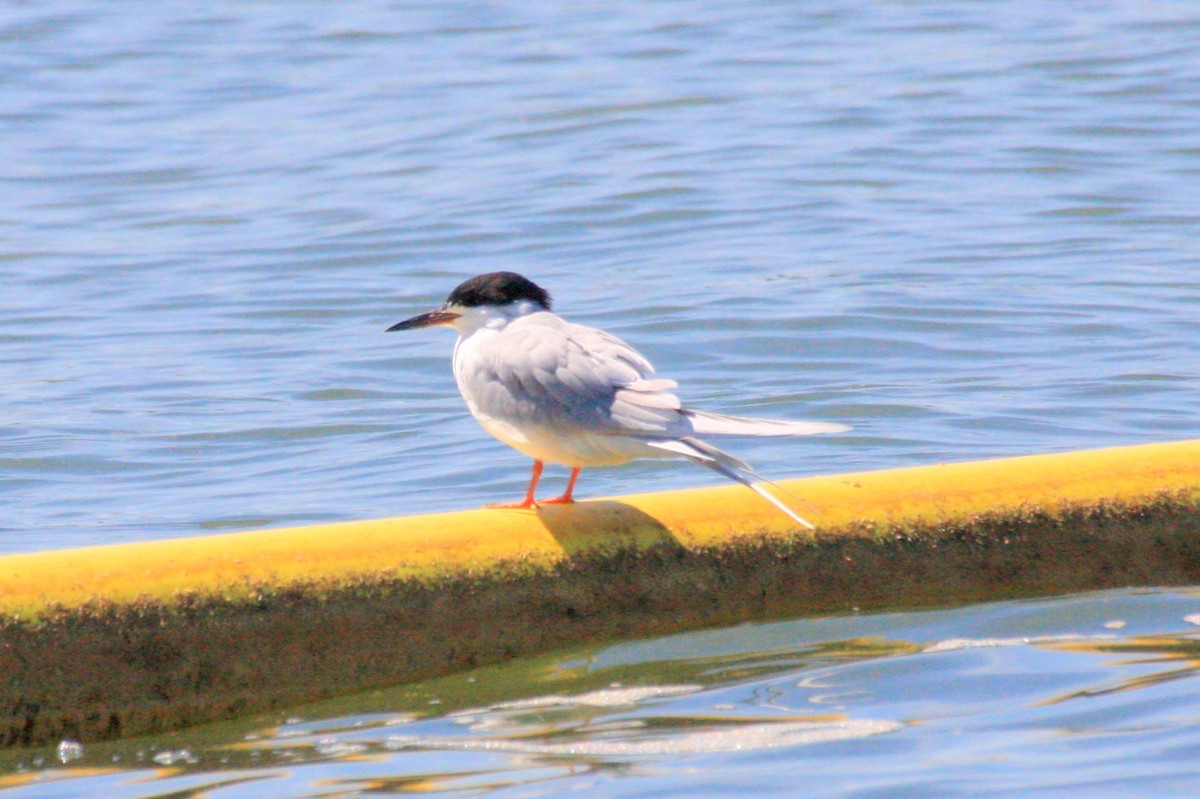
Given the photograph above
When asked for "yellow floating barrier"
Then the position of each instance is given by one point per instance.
(132, 639)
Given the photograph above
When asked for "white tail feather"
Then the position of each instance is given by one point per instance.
(725, 464)
(718, 424)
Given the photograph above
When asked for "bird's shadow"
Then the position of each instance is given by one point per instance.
(598, 525)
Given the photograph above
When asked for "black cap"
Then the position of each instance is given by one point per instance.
(498, 288)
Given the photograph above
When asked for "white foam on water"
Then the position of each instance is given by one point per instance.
(733, 738)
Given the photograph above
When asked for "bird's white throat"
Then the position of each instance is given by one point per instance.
(492, 317)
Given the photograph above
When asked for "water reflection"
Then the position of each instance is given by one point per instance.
(1147, 651)
(921, 696)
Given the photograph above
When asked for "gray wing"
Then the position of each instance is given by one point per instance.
(550, 372)
(559, 374)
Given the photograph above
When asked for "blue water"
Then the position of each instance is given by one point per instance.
(1092, 695)
(967, 229)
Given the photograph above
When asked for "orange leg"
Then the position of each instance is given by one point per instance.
(566, 498)
(529, 501)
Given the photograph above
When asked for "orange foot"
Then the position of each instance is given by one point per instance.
(566, 498)
(529, 503)
(523, 505)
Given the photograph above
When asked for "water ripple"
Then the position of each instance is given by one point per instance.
(968, 234)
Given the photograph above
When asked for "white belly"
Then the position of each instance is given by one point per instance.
(569, 447)
(535, 424)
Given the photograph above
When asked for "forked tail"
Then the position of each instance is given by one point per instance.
(707, 455)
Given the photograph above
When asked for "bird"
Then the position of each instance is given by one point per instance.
(575, 395)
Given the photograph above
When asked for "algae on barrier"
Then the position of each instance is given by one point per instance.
(109, 670)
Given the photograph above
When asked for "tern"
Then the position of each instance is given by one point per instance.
(567, 393)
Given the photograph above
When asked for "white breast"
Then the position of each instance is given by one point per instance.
(537, 391)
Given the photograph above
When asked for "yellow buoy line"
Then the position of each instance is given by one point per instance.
(132, 639)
